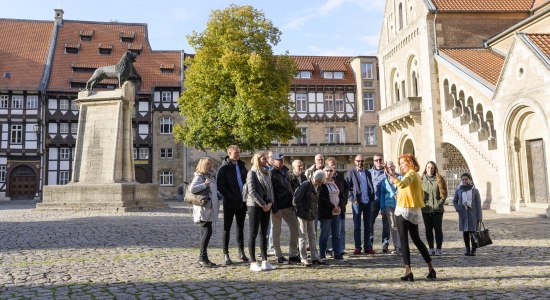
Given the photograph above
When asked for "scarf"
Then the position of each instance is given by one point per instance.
(264, 176)
(467, 194)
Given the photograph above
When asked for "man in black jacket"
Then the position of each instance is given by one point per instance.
(282, 209)
(230, 180)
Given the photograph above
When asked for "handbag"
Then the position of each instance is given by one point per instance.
(482, 237)
(201, 198)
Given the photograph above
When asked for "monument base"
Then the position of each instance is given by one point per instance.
(101, 197)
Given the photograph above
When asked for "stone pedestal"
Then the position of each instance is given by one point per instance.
(103, 173)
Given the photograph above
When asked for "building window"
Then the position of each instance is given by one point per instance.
(17, 102)
(166, 178)
(74, 107)
(303, 138)
(63, 127)
(16, 134)
(366, 71)
(166, 153)
(143, 153)
(166, 96)
(63, 104)
(74, 128)
(63, 177)
(3, 101)
(370, 135)
(338, 75)
(303, 74)
(135, 153)
(105, 51)
(329, 103)
(400, 16)
(335, 135)
(301, 102)
(166, 125)
(327, 75)
(368, 101)
(32, 101)
(339, 102)
(3, 169)
(64, 153)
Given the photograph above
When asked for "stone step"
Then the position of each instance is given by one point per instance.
(532, 212)
(99, 206)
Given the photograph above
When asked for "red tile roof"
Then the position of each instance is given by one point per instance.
(24, 46)
(108, 35)
(484, 63)
(542, 41)
(483, 5)
(318, 64)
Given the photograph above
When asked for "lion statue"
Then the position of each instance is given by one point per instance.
(122, 71)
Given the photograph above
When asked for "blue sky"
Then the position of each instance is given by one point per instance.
(310, 27)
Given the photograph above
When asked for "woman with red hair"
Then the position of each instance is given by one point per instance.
(408, 212)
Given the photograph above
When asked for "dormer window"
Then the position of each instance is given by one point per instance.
(83, 68)
(333, 75)
(105, 49)
(135, 48)
(72, 48)
(303, 74)
(86, 35)
(127, 37)
(167, 69)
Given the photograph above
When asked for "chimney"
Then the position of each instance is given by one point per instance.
(59, 16)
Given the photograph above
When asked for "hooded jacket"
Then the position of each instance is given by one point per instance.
(227, 183)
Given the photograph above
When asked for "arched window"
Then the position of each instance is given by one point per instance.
(397, 92)
(400, 16)
(414, 83)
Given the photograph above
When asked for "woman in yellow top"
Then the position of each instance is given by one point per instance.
(408, 212)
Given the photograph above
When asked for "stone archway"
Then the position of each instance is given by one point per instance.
(454, 166)
(408, 147)
(22, 183)
(527, 158)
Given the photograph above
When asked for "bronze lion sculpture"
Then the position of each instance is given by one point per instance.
(122, 71)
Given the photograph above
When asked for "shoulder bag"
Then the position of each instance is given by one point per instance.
(481, 237)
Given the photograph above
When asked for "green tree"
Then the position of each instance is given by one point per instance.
(236, 90)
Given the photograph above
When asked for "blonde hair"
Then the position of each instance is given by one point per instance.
(256, 160)
(201, 165)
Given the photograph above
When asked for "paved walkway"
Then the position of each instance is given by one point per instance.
(152, 255)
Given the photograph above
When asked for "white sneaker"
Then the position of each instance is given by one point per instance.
(266, 266)
(255, 267)
(271, 251)
(438, 252)
(431, 251)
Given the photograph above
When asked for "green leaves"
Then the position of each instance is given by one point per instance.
(236, 90)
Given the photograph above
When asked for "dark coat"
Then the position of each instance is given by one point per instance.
(294, 182)
(354, 181)
(325, 206)
(306, 201)
(282, 192)
(340, 180)
(228, 185)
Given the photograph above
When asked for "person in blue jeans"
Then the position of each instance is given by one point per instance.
(378, 175)
(361, 195)
(329, 215)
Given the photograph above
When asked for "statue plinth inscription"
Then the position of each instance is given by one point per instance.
(103, 170)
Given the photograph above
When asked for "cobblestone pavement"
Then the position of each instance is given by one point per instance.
(152, 255)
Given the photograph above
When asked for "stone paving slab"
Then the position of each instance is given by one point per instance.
(152, 255)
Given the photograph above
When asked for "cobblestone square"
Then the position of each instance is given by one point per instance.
(152, 255)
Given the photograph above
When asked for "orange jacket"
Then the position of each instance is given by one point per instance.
(410, 192)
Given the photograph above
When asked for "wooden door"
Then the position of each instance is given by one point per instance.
(536, 161)
(22, 183)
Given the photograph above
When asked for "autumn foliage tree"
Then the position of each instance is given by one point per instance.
(236, 91)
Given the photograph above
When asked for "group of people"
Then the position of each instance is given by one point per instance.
(317, 197)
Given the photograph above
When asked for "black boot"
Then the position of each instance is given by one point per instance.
(227, 260)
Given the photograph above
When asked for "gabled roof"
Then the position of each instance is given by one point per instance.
(109, 35)
(24, 46)
(483, 5)
(318, 64)
(482, 62)
(542, 41)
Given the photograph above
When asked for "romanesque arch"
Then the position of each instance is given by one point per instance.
(455, 165)
(526, 133)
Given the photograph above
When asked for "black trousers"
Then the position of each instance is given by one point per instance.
(257, 218)
(467, 235)
(206, 233)
(434, 222)
(406, 228)
(240, 216)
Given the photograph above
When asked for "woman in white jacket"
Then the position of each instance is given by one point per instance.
(208, 214)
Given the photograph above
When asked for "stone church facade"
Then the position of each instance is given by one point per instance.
(465, 84)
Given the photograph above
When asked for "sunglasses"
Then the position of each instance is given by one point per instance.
(379, 159)
(330, 171)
